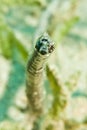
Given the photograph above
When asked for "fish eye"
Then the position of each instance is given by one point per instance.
(44, 40)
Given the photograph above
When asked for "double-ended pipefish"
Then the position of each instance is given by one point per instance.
(34, 79)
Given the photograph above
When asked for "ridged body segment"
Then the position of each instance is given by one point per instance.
(35, 90)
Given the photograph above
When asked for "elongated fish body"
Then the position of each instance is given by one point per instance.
(34, 79)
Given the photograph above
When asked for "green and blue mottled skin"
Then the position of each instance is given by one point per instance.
(34, 80)
(44, 45)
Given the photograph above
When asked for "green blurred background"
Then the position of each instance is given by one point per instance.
(21, 23)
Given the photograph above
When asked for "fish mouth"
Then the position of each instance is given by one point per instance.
(43, 50)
